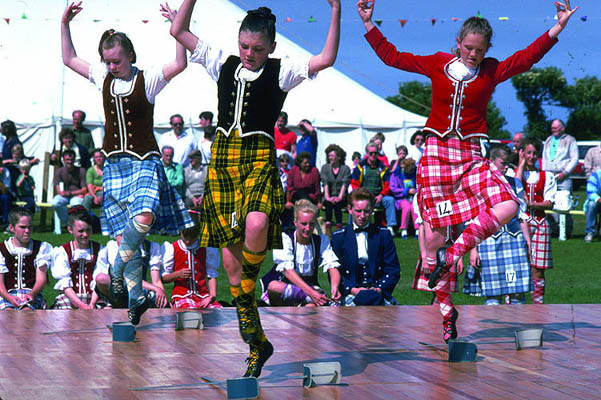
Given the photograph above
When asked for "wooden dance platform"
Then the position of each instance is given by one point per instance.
(71, 355)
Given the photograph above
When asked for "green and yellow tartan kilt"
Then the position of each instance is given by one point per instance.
(242, 177)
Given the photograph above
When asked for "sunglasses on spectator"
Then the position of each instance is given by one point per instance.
(177, 124)
(371, 153)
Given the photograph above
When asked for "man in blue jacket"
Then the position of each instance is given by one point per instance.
(369, 266)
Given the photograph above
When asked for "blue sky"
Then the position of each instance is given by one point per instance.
(526, 20)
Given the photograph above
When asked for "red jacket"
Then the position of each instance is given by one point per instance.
(460, 106)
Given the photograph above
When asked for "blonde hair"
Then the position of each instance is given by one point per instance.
(304, 205)
(24, 164)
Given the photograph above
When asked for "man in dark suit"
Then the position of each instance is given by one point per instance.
(369, 264)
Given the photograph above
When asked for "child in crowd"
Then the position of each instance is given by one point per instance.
(151, 259)
(23, 264)
(499, 266)
(26, 185)
(403, 188)
(540, 188)
(192, 268)
(74, 263)
(293, 279)
(243, 194)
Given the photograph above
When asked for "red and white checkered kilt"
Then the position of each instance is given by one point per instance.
(192, 302)
(422, 275)
(540, 247)
(62, 302)
(455, 183)
(37, 304)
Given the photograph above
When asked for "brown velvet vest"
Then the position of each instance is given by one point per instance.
(129, 120)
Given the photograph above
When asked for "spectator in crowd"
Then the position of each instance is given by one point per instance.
(303, 182)
(592, 206)
(83, 135)
(285, 139)
(401, 154)
(6, 196)
(378, 139)
(403, 187)
(369, 265)
(24, 263)
(152, 259)
(592, 160)
(26, 186)
(372, 175)
(9, 131)
(499, 266)
(74, 264)
(195, 175)
(18, 155)
(284, 161)
(308, 141)
(560, 157)
(539, 189)
(417, 141)
(69, 185)
(173, 170)
(205, 145)
(94, 181)
(182, 141)
(67, 139)
(516, 144)
(293, 280)
(205, 119)
(355, 159)
(335, 176)
(192, 269)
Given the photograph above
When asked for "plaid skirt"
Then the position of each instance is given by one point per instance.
(130, 187)
(39, 303)
(540, 239)
(62, 302)
(242, 177)
(455, 183)
(192, 302)
(505, 268)
(422, 275)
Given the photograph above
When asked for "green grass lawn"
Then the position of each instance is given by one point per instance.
(575, 278)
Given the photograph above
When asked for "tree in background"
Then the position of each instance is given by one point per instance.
(583, 99)
(535, 88)
(416, 97)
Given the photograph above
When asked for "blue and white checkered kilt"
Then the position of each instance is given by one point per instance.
(38, 303)
(505, 268)
(472, 284)
(131, 186)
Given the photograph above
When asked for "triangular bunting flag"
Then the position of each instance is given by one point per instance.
(503, 18)
(378, 22)
(433, 20)
(7, 20)
(288, 19)
(23, 16)
(584, 18)
(479, 15)
(454, 19)
(311, 19)
(403, 22)
(96, 20)
(145, 21)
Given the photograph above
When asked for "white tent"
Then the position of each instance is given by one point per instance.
(39, 94)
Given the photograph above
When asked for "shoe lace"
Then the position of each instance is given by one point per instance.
(253, 358)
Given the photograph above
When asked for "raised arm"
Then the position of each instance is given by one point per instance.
(365, 8)
(564, 12)
(328, 54)
(172, 69)
(70, 58)
(180, 27)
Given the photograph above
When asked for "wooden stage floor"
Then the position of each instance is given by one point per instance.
(377, 347)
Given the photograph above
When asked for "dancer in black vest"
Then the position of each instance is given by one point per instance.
(243, 195)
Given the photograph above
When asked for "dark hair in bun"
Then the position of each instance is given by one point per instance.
(260, 20)
(110, 38)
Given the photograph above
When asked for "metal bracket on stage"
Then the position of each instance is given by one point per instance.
(188, 320)
(315, 374)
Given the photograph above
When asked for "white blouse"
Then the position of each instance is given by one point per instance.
(154, 81)
(292, 72)
(284, 258)
(61, 270)
(532, 178)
